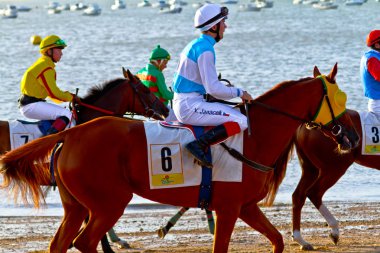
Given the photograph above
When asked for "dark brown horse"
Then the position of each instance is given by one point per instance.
(115, 98)
(114, 152)
(322, 166)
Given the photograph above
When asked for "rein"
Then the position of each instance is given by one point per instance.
(134, 86)
(96, 108)
(310, 124)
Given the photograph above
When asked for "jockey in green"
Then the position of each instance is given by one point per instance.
(152, 77)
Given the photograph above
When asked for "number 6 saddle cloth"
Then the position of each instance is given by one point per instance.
(171, 165)
(370, 132)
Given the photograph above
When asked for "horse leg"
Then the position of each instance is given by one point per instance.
(225, 223)
(162, 231)
(254, 217)
(73, 217)
(325, 181)
(309, 176)
(121, 244)
(102, 218)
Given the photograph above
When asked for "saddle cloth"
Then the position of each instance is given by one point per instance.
(21, 132)
(171, 165)
(371, 133)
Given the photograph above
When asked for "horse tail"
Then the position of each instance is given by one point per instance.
(279, 174)
(24, 169)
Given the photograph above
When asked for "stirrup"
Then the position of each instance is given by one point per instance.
(199, 155)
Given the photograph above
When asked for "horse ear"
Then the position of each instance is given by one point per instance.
(333, 72)
(125, 73)
(128, 75)
(316, 71)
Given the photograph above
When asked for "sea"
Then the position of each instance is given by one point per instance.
(259, 50)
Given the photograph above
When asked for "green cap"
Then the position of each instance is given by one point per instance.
(159, 54)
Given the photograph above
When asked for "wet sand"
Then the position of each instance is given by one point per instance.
(359, 230)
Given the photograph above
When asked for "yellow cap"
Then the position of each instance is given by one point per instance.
(51, 41)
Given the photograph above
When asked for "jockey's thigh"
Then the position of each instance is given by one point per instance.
(44, 111)
(374, 106)
(196, 111)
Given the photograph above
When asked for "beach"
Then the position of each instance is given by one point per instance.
(359, 224)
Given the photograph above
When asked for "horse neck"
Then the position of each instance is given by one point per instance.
(272, 131)
(115, 101)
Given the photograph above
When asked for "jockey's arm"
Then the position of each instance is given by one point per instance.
(48, 81)
(373, 66)
(210, 79)
(163, 89)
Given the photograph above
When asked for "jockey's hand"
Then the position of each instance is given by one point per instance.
(246, 97)
(76, 99)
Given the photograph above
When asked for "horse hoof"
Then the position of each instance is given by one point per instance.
(307, 247)
(161, 233)
(121, 244)
(334, 238)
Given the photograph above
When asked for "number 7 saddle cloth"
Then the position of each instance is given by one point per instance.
(21, 132)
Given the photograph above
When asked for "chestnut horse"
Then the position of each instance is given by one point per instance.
(103, 162)
(115, 97)
(322, 167)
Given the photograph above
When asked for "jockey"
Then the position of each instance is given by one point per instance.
(196, 75)
(39, 82)
(370, 71)
(152, 77)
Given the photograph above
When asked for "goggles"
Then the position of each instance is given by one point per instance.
(223, 14)
(58, 43)
(375, 41)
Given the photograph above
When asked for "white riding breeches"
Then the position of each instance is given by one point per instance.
(45, 111)
(191, 108)
(374, 106)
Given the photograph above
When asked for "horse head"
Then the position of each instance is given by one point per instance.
(338, 125)
(153, 107)
(116, 97)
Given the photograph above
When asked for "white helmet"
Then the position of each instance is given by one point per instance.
(209, 15)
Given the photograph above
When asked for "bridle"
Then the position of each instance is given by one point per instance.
(336, 129)
(148, 111)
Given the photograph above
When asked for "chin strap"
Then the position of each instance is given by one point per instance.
(217, 38)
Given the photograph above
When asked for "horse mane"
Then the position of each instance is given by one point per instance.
(99, 90)
(280, 86)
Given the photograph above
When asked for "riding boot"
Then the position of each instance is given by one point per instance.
(58, 125)
(198, 147)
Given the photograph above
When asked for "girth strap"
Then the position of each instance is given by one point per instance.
(237, 155)
(52, 176)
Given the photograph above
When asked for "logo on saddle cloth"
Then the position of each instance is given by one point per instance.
(171, 165)
(371, 133)
(337, 99)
